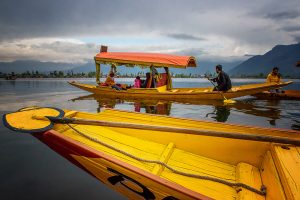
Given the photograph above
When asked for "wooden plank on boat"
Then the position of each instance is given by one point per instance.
(270, 179)
(249, 175)
(287, 161)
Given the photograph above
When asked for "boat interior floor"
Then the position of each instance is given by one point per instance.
(187, 162)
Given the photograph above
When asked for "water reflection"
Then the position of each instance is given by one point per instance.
(218, 111)
(267, 109)
(12, 83)
(150, 106)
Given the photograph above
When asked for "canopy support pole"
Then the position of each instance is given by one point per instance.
(169, 80)
(97, 72)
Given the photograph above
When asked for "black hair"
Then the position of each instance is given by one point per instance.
(275, 68)
(138, 77)
(219, 67)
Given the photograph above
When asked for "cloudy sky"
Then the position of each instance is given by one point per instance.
(72, 30)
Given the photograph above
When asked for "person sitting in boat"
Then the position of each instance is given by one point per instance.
(223, 80)
(110, 81)
(275, 77)
(147, 82)
(137, 82)
(154, 75)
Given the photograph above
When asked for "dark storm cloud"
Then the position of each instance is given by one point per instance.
(291, 14)
(292, 28)
(45, 18)
(76, 18)
(284, 15)
(183, 36)
(61, 27)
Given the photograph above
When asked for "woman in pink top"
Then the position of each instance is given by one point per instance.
(137, 82)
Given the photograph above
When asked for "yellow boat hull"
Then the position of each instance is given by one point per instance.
(179, 93)
(123, 158)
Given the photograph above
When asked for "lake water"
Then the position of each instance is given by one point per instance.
(30, 170)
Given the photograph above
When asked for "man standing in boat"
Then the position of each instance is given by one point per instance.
(223, 80)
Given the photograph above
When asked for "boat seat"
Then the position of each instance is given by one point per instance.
(162, 88)
(242, 172)
(270, 178)
(287, 162)
(190, 91)
(249, 175)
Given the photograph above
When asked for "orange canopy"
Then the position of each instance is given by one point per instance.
(145, 59)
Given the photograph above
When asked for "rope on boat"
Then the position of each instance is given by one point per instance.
(262, 191)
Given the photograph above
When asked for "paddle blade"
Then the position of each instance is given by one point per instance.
(229, 101)
(25, 119)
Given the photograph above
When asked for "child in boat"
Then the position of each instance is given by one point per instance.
(137, 82)
(110, 81)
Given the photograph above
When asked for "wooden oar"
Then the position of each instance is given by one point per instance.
(39, 119)
(253, 137)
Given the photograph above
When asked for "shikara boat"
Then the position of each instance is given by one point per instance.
(146, 156)
(164, 89)
(285, 95)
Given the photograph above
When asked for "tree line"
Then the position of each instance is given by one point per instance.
(71, 74)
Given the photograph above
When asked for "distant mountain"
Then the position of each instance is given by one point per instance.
(21, 66)
(283, 56)
(204, 67)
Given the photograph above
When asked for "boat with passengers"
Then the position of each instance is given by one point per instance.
(163, 81)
